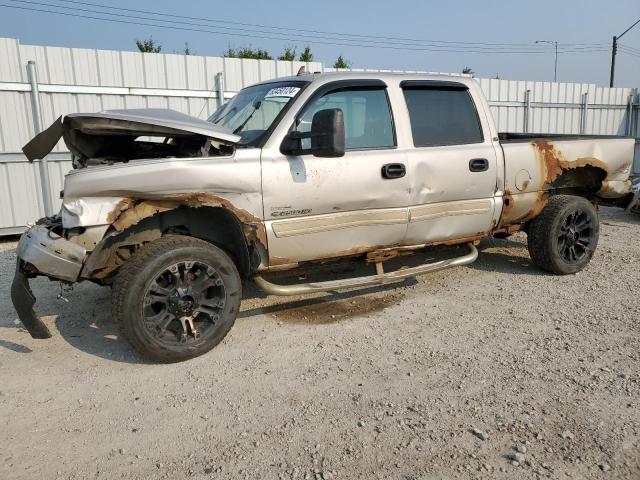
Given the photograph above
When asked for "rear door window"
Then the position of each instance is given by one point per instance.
(442, 116)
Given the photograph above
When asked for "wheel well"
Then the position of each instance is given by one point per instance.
(586, 179)
(216, 225)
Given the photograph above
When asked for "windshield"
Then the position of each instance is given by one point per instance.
(252, 111)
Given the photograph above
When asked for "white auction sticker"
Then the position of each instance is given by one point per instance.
(282, 92)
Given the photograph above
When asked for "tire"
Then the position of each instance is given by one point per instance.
(564, 237)
(176, 298)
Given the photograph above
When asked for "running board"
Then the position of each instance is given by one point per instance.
(380, 278)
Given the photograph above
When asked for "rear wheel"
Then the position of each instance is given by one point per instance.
(564, 237)
(176, 298)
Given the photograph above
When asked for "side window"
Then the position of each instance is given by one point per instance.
(442, 117)
(367, 117)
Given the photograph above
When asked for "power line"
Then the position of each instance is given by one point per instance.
(343, 42)
(171, 27)
(289, 28)
(234, 29)
(637, 50)
(629, 52)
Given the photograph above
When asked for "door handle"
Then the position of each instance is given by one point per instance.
(394, 170)
(478, 164)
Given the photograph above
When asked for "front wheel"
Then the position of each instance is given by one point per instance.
(564, 237)
(176, 298)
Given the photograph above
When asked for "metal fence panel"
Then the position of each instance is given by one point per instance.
(15, 120)
(88, 80)
(10, 70)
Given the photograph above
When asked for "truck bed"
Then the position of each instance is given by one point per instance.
(537, 165)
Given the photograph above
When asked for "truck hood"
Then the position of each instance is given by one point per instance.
(78, 127)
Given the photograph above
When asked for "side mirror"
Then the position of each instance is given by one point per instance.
(327, 133)
(327, 136)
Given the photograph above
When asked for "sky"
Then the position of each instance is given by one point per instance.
(383, 34)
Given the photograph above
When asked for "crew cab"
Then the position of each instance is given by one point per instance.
(174, 212)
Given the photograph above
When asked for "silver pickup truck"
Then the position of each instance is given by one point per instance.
(173, 212)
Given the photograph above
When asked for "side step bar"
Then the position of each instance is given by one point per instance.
(380, 278)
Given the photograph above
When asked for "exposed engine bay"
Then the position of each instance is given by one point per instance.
(121, 135)
(90, 150)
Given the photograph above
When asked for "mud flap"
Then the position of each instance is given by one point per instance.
(23, 301)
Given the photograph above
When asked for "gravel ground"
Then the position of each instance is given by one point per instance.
(494, 371)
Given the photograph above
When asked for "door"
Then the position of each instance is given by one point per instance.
(452, 167)
(323, 207)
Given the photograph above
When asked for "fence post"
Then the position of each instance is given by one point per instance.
(634, 113)
(527, 110)
(220, 88)
(584, 105)
(37, 126)
(627, 126)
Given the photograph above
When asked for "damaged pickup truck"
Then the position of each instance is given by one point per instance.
(173, 212)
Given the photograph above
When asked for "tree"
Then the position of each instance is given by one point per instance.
(148, 45)
(248, 52)
(288, 54)
(187, 50)
(306, 55)
(341, 63)
(467, 70)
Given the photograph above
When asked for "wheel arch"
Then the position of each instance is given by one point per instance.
(215, 224)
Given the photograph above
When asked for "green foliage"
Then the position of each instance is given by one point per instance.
(248, 52)
(468, 70)
(148, 45)
(341, 63)
(306, 55)
(187, 50)
(288, 54)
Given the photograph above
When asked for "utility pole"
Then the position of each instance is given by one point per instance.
(614, 50)
(555, 65)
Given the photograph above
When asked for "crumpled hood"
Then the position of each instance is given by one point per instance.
(138, 122)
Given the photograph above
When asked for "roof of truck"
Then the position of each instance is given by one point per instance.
(384, 76)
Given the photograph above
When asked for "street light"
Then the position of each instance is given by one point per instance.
(614, 50)
(555, 66)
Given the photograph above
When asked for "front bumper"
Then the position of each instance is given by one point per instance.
(49, 254)
(23, 301)
(42, 252)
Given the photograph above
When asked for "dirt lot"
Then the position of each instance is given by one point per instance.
(385, 383)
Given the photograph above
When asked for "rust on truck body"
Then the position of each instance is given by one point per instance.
(130, 212)
(555, 165)
(556, 171)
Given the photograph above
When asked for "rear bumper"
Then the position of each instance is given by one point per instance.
(42, 252)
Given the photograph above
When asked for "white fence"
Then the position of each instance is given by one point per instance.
(83, 80)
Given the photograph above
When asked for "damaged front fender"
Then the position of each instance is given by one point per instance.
(135, 221)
